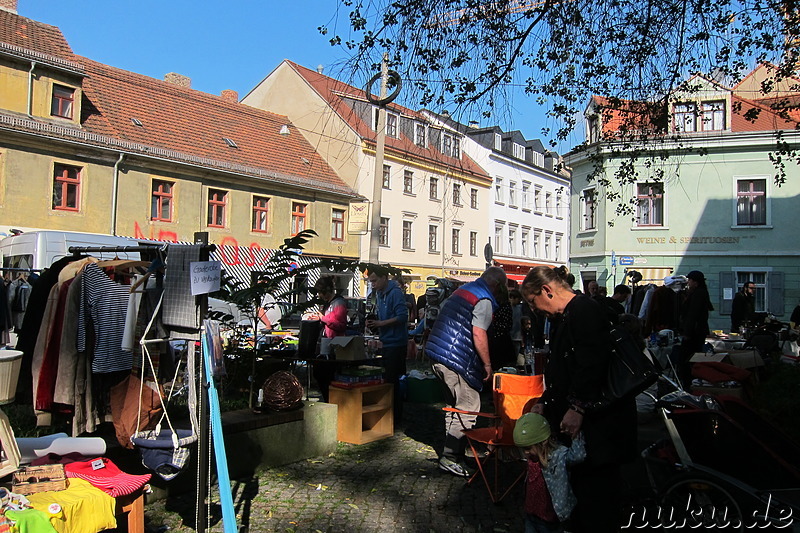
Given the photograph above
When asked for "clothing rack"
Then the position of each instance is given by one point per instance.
(112, 249)
(16, 269)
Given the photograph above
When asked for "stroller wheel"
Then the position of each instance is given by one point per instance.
(692, 502)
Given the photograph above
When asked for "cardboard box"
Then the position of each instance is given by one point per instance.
(737, 358)
(348, 348)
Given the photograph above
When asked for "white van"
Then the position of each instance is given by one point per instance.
(38, 249)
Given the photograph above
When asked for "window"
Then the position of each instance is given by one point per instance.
(519, 151)
(498, 142)
(512, 193)
(161, 202)
(498, 238)
(383, 232)
(433, 244)
(456, 241)
(650, 204)
(408, 182)
(450, 146)
(457, 194)
(391, 125)
(419, 135)
(589, 209)
(557, 255)
(526, 195)
(260, 214)
(537, 199)
(217, 202)
(63, 98)
(407, 235)
(524, 243)
(760, 281)
(66, 187)
(512, 240)
(498, 190)
(298, 217)
(337, 224)
(685, 116)
(548, 207)
(473, 198)
(473, 243)
(593, 129)
(434, 189)
(537, 238)
(713, 116)
(751, 202)
(387, 177)
(558, 204)
(547, 239)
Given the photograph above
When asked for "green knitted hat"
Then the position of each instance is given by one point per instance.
(531, 429)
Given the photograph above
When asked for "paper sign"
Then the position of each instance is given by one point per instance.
(358, 221)
(205, 276)
(727, 293)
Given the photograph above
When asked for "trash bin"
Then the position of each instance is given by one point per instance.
(10, 363)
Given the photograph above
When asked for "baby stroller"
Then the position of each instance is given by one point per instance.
(722, 466)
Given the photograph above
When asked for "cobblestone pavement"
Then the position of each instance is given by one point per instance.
(389, 485)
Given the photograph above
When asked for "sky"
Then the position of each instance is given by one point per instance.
(224, 45)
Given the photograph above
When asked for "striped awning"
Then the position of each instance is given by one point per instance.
(654, 275)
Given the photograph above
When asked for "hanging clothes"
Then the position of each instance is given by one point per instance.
(180, 313)
(19, 291)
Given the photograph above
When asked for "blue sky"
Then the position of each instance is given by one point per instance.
(220, 45)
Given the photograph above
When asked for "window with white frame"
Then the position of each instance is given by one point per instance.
(559, 205)
(512, 193)
(548, 237)
(455, 241)
(709, 116)
(433, 188)
(408, 182)
(537, 199)
(473, 243)
(685, 117)
(473, 198)
(383, 232)
(760, 281)
(593, 129)
(712, 115)
(419, 135)
(498, 238)
(751, 202)
(537, 242)
(649, 204)
(457, 194)
(512, 240)
(557, 251)
(387, 177)
(407, 235)
(588, 209)
(450, 145)
(519, 151)
(498, 190)
(498, 142)
(526, 195)
(433, 238)
(391, 124)
(548, 203)
(525, 243)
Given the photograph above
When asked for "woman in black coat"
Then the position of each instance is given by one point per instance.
(694, 321)
(576, 370)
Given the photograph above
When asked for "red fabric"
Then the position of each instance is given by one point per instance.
(110, 479)
(47, 375)
(537, 497)
(718, 372)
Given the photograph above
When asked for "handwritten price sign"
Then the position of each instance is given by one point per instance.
(205, 276)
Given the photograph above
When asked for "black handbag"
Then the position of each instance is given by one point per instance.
(631, 369)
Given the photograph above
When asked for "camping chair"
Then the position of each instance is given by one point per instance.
(513, 395)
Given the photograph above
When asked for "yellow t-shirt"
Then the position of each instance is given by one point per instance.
(84, 508)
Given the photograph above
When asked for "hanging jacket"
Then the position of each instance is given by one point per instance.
(450, 341)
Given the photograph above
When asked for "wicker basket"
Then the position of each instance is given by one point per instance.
(283, 392)
(32, 479)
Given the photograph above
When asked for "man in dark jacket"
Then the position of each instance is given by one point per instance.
(458, 345)
(744, 306)
(615, 305)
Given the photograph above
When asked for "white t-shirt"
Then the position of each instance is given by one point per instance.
(482, 314)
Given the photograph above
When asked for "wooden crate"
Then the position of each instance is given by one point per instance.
(32, 479)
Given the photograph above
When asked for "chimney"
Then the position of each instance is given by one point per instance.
(473, 124)
(229, 95)
(177, 79)
(446, 113)
(320, 68)
(9, 5)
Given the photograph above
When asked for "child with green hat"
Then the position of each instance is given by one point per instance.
(548, 496)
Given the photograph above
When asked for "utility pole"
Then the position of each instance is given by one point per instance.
(377, 182)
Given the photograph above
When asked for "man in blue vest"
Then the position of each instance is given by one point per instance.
(459, 348)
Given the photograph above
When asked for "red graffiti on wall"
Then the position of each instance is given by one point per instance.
(163, 235)
(231, 253)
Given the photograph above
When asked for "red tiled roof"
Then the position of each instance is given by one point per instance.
(32, 35)
(766, 119)
(194, 123)
(629, 114)
(340, 96)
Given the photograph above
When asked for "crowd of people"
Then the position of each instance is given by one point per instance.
(574, 448)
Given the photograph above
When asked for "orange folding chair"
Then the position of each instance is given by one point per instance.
(513, 395)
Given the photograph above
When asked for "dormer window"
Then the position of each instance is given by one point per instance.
(450, 146)
(498, 142)
(519, 151)
(593, 129)
(62, 103)
(419, 135)
(391, 123)
(710, 116)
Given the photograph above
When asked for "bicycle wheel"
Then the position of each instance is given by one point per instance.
(697, 502)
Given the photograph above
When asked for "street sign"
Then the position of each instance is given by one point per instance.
(625, 260)
(613, 258)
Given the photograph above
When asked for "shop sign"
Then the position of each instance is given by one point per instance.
(358, 219)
